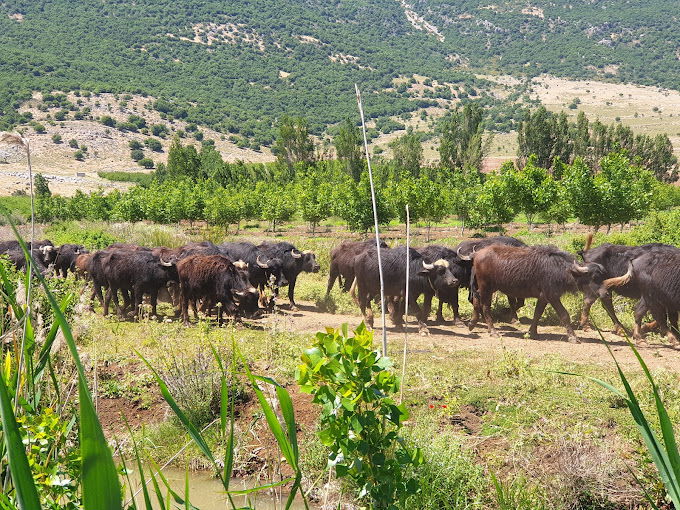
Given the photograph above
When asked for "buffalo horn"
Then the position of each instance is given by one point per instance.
(463, 257)
(263, 265)
(619, 281)
(580, 269)
(296, 254)
(164, 263)
(428, 266)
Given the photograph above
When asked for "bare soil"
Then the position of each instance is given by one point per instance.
(448, 338)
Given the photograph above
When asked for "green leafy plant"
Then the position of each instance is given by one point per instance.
(359, 420)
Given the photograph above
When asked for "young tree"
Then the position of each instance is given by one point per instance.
(464, 187)
(407, 153)
(349, 150)
(531, 189)
(315, 197)
(493, 204)
(224, 207)
(462, 144)
(294, 144)
(354, 204)
(277, 204)
(41, 186)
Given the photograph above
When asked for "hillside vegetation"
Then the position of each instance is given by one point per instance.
(236, 67)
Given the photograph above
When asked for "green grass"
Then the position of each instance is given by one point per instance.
(143, 178)
(18, 206)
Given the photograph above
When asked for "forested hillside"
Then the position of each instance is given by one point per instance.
(237, 66)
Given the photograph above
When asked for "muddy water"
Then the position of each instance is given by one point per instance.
(207, 493)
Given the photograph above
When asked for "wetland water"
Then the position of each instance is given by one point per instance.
(207, 493)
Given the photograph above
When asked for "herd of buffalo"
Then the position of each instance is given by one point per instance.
(232, 277)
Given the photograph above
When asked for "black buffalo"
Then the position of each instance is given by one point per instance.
(65, 259)
(215, 279)
(614, 258)
(263, 271)
(422, 276)
(294, 262)
(137, 272)
(655, 275)
(342, 262)
(541, 272)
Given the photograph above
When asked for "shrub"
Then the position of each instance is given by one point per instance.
(135, 145)
(359, 420)
(56, 138)
(73, 143)
(137, 154)
(79, 155)
(146, 163)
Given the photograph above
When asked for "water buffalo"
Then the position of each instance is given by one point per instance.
(43, 253)
(138, 272)
(263, 271)
(655, 275)
(65, 259)
(614, 258)
(342, 262)
(422, 276)
(460, 269)
(294, 263)
(215, 279)
(542, 272)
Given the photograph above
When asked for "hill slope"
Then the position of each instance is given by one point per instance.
(237, 66)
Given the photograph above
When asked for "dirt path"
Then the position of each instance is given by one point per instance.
(448, 338)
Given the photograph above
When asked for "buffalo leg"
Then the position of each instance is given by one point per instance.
(565, 319)
(608, 305)
(538, 313)
(107, 301)
(332, 276)
(184, 306)
(154, 303)
(440, 312)
(640, 312)
(364, 302)
(291, 293)
(427, 305)
(588, 302)
(485, 304)
(419, 315)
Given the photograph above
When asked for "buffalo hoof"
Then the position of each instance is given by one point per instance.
(573, 340)
(294, 308)
(532, 334)
(620, 331)
(584, 327)
(424, 331)
(494, 333)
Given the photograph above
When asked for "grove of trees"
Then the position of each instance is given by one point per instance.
(197, 184)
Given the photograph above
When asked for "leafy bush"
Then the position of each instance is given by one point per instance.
(77, 233)
(359, 421)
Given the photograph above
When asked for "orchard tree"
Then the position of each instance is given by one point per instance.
(278, 203)
(464, 186)
(224, 207)
(354, 204)
(407, 153)
(348, 149)
(434, 202)
(493, 204)
(315, 191)
(531, 189)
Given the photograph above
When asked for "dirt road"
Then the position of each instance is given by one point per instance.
(449, 338)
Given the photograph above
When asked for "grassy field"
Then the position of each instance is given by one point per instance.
(502, 408)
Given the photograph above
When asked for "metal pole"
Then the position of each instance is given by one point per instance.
(408, 274)
(375, 219)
